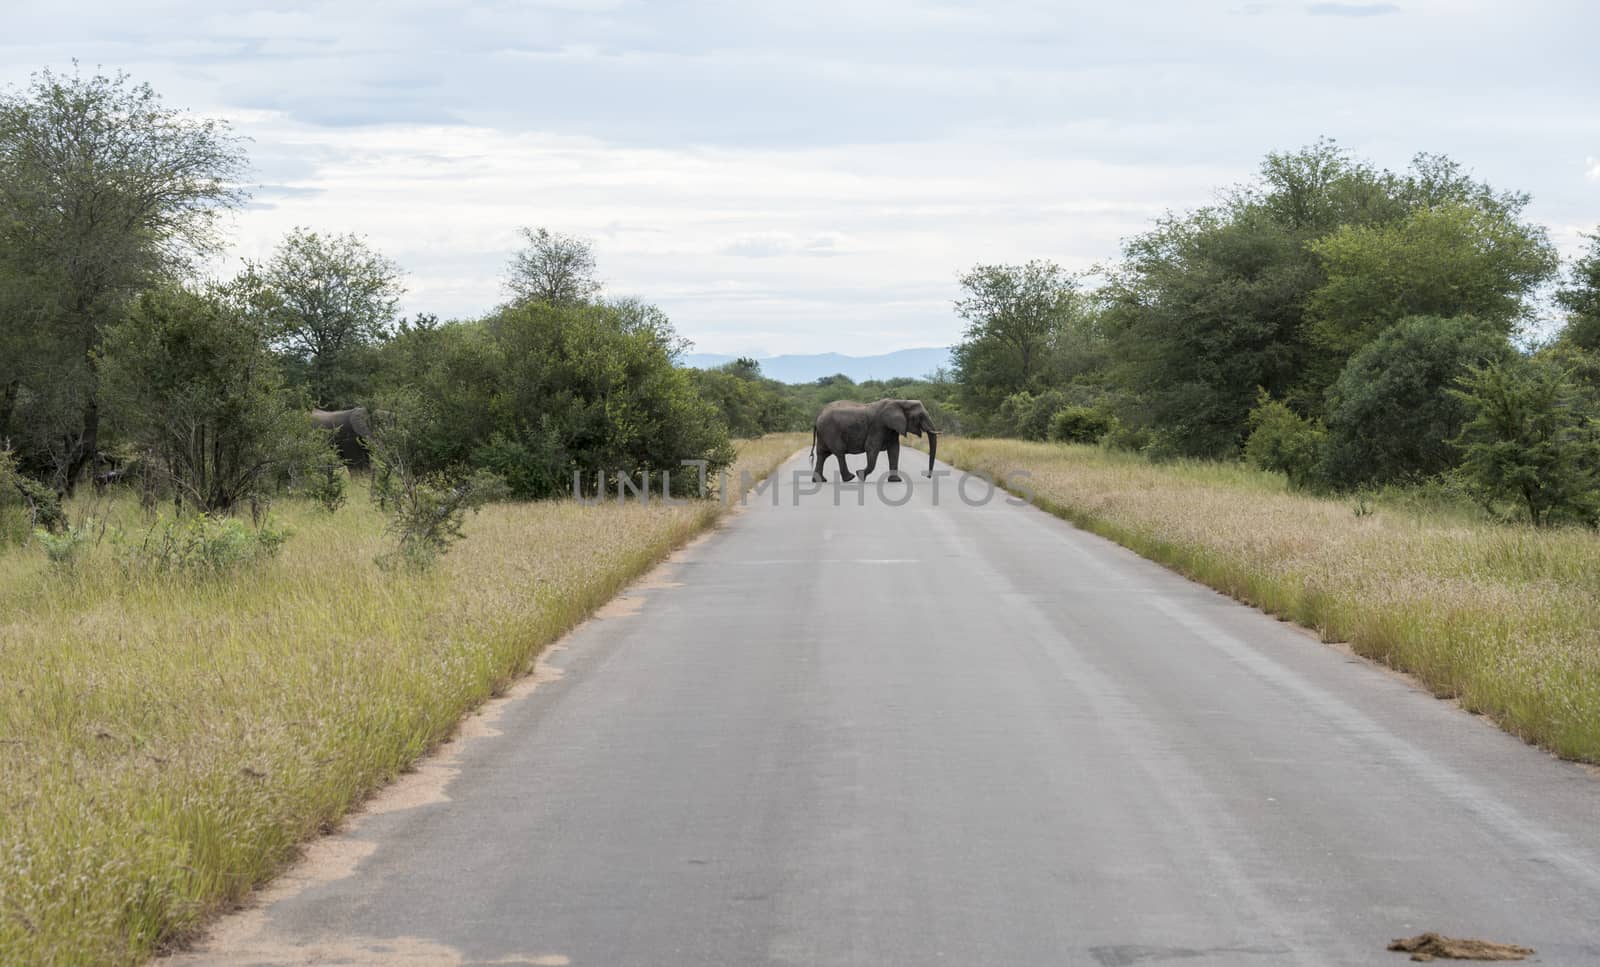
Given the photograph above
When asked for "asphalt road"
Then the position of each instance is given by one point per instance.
(877, 735)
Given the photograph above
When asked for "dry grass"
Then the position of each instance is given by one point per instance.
(1504, 618)
(165, 744)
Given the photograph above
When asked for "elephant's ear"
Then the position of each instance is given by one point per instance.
(894, 417)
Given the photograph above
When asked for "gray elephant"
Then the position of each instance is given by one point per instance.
(870, 428)
(349, 428)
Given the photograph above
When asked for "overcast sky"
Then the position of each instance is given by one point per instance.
(812, 175)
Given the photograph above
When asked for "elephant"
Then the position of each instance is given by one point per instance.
(870, 428)
(349, 428)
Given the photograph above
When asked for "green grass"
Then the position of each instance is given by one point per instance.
(167, 743)
(1504, 618)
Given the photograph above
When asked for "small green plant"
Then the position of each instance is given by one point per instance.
(198, 545)
(426, 509)
(67, 546)
(327, 482)
(427, 513)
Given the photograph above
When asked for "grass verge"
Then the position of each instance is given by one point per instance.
(166, 744)
(1504, 618)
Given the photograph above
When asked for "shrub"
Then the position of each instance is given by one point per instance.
(428, 513)
(533, 465)
(1011, 414)
(1285, 442)
(25, 503)
(538, 392)
(197, 545)
(1528, 441)
(1135, 439)
(426, 510)
(750, 405)
(1391, 415)
(1080, 424)
(327, 481)
(67, 546)
(191, 380)
(1025, 416)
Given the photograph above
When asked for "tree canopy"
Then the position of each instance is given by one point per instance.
(552, 267)
(330, 298)
(104, 191)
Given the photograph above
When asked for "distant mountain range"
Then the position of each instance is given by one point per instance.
(809, 368)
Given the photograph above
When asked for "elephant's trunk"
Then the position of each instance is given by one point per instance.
(933, 448)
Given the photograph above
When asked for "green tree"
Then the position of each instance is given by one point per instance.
(1285, 442)
(104, 191)
(1027, 416)
(1205, 309)
(1580, 297)
(749, 404)
(1528, 440)
(331, 298)
(1080, 424)
(1391, 415)
(1014, 314)
(1454, 259)
(1212, 304)
(191, 379)
(744, 367)
(539, 391)
(552, 267)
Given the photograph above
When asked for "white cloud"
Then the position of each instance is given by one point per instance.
(715, 151)
(727, 240)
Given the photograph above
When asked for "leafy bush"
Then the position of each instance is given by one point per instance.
(1080, 424)
(750, 404)
(539, 392)
(1011, 414)
(426, 510)
(67, 546)
(192, 381)
(327, 481)
(429, 511)
(1391, 415)
(1528, 441)
(25, 503)
(1025, 416)
(534, 465)
(1135, 439)
(1285, 442)
(197, 545)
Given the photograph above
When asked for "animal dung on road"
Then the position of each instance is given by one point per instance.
(1429, 946)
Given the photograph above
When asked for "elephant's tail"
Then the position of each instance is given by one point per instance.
(813, 453)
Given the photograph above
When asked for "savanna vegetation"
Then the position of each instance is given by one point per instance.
(120, 362)
(214, 639)
(189, 698)
(1365, 400)
(1504, 618)
(1349, 327)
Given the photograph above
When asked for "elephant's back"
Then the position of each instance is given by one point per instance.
(840, 408)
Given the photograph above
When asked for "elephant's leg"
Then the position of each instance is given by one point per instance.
(872, 459)
(816, 474)
(844, 471)
(894, 459)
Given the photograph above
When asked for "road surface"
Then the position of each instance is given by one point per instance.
(879, 735)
